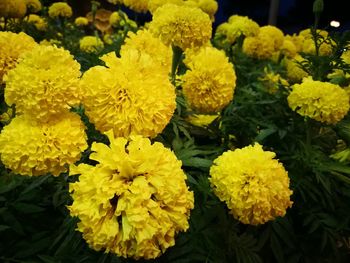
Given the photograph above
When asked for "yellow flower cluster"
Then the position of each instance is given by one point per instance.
(60, 9)
(308, 45)
(209, 83)
(134, 201)
(133, 94)
(322, 101)
(145, 42)
(114, 19)
(181, 26)
(31, 148)
(13, 45)
(237, 26)
(38, 22)
(294, 72)
(288, 48)
(81, 21)
(154, 4)
(253, 184)
(91, 44)
(33, 6)
(13, 8)
(263, 46)
(44, 84)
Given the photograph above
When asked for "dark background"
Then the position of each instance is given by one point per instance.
(293, 15)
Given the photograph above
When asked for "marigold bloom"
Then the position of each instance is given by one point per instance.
(13, 8)
(81, 21)
(38, 22)
(30, 148)
(288, 48)
(294, 71)
(209, 83)
(12, 45)
(202, 120)
(134, 201)
(322, 101)
(101, 20)
(33, 6)
(91, 44)
(114, 19)
(254, 185)
(308, 43)
(272, 81)
(181, 26)
(44, 83)
(154, 4)
(237, 26)
(145, 42)
(60, 9)
(140, 6)
(133, 94)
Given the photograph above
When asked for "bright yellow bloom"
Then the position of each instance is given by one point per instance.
(140, 6)
(60, 9)
(237, 25)
(33, 6)
(91, 44)
(13, 8)
(145, 42)
(294, 72)
(154, 4)
(297, 41)
(30, 148)
(134, 201)
(44, 84)
(254, 185)
(272, 81)
(38, 22)
(81, 21)
(13, 45)
(308, 47)
(288, 48)
(133, 94)
(322, 101)
(181, 26)
(114, 19)
(208, 6)
(209, 83)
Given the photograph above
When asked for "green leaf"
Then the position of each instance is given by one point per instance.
(36, 183)
(3, 228)
(276, 249)
(27, 208)
(197, 162)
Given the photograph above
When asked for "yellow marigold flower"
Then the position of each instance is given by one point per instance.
(273, 33)
(12, 45)
(91, 44)
(114, 19)
(322, 101)
(260, 47)
(38, 22)
(202, 120)
(44, 83)
(237, 25)
(297, 41)
(133, 93)
(294, 72)
(134, 201)
(272, 81)
(33, 6)
(81, 21)
(181, 26)
(140, 6)
(154, 4)
(288, 48)
(254, 185)
(60, 9)
(30, 148)
(208, 6)
(308, 45)
(209, 83)
(145, 42)
(13, 8)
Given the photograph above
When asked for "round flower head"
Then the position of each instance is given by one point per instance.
(294, 71)
(81, 21)
(254, 185)
(13, 8)
(209, 83)
(145, 42)
(322, 101)
(44, 83)
(91, 44)
(12, 45)
(136, 196)
(273, 33)
(237, 26)
(31, 148)
(181, 26)
(208, 6)
(60, 9)
(133, 96)
(297, 41)
(38, 22)
(114, 19)
(33, 6)
(288, 48)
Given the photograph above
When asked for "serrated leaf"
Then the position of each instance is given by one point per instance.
(26, 208)
(197, 162)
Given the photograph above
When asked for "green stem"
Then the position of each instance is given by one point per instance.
(177, 54)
